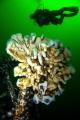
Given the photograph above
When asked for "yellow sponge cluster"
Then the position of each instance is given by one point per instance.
(42, 65)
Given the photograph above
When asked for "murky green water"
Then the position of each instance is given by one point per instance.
(14, 18)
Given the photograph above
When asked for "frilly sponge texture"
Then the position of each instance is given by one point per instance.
(42, 65)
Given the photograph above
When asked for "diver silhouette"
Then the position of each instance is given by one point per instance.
(45, 16)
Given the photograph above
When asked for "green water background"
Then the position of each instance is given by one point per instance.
(14, 18)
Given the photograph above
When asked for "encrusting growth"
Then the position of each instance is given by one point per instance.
(42, 65)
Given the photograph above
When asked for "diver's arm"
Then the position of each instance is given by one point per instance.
(36, 13)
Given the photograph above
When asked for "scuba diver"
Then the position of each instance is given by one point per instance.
(45, 16)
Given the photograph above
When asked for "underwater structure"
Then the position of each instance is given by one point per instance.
(42, 71)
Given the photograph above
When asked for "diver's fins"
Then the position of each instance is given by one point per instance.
(73, 10)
